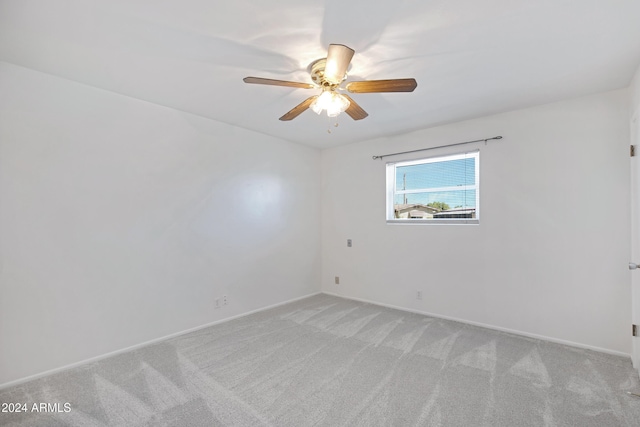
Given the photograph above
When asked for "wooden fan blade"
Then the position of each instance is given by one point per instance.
(355, 111)
(373, 86)
(298, 109)
(338, 59)
(272, 82)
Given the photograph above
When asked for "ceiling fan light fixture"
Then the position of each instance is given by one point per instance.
(332, 102)
(338, 105)
(327, 75)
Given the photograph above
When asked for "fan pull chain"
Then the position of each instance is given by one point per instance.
(335, 125)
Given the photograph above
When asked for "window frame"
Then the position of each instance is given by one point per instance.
(391, 191)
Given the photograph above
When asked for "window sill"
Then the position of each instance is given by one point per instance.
(433, 222)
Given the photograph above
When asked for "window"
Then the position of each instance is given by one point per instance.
(435, 190)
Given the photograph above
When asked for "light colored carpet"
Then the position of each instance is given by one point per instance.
(327, 361)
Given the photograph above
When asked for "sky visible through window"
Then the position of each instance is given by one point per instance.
(443, 177)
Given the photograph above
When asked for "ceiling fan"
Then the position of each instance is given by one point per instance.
(327, 75)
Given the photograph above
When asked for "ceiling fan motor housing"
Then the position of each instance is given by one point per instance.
(316, 70)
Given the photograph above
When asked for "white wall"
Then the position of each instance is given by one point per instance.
(634, 117)
(634, 90)
(550, 254)
(121, 221)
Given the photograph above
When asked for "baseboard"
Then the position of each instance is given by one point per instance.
(484, 325)
(144, 344)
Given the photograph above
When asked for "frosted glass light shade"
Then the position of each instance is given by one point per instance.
(332, 102)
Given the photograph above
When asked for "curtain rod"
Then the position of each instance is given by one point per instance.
(433, 148)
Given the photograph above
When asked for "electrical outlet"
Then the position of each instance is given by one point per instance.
(418, 294)
(217, 302)
(337, 280)
(224, 300)
(349, 243)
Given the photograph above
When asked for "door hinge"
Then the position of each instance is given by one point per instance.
(634, 330)
(632, 151)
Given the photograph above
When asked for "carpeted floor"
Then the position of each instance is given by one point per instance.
(327, 361)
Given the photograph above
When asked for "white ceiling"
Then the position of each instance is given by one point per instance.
(470, 58)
